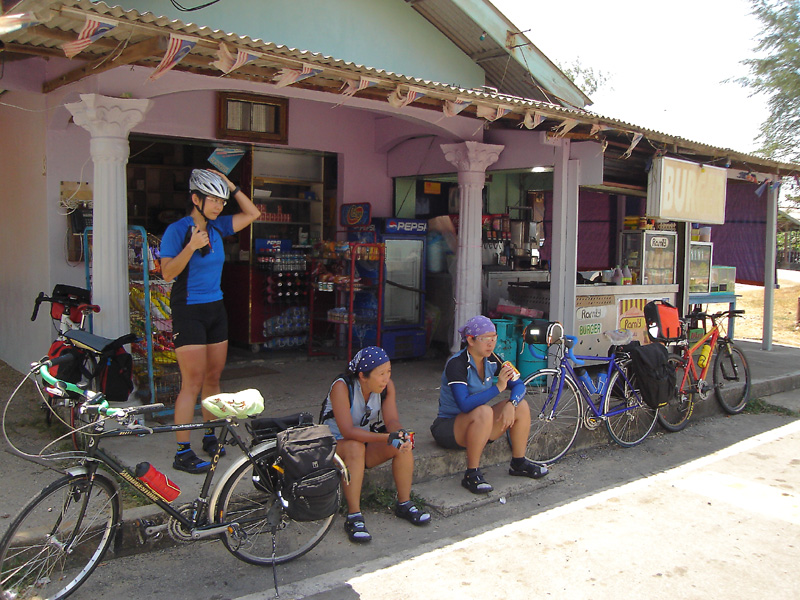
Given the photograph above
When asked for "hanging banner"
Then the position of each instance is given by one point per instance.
(680, 190)
(286, 77)
(92, 31)
(351, 86)
(226, 62)
(179, 46)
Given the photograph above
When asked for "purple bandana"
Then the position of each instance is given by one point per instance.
(477, 326)
(367, 359)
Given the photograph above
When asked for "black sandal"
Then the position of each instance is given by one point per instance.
(476, 483)
(529, 469)
(411, 513)
(189, 462)
(357, 530)
(210, 445)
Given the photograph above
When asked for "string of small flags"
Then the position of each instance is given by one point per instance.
(179, 46)
(93, 30)
(399, 100)
(287, 76)
(11, 23)
(351, 86)
(227, 62)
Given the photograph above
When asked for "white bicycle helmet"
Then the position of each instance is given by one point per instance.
(209, 184)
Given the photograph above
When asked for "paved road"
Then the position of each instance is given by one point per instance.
(710, 512)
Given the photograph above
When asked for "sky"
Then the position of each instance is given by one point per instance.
(666, 62)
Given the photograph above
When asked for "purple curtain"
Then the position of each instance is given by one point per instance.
(740, 242)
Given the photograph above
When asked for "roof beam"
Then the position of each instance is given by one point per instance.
(141, 51)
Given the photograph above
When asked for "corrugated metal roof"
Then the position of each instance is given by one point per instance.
(63, 19)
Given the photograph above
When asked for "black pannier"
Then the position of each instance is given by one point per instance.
(310, 482)
(652, 369)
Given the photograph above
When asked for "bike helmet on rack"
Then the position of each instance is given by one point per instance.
(208, 184)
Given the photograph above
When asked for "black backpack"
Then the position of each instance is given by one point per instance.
(656, 379)
(310, 481)
(349, 380)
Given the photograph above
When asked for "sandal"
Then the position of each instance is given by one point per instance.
(210, 445)
(189, 462)
(529, 469)
(411, 513)
(357, 530)
(476, 483)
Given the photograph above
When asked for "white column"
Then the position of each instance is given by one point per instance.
(109, 121)
(471, 159)
(769, 267)
(564, 259)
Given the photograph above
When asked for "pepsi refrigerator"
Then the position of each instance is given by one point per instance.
(403, 332)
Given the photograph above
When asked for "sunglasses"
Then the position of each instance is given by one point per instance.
(365, 418)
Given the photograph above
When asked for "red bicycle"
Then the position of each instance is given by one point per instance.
(715, 352)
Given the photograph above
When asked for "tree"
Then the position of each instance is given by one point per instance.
(776, 72)
(586, 78)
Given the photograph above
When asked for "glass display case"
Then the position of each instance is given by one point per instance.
(700, 255)
(650, 255)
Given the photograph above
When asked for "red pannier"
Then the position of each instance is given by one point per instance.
(663, 321)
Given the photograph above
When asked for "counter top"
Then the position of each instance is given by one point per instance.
(624, 290)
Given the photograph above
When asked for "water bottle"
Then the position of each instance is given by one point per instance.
(705, 352)
(587, 380)
(157, 481)
(602, 379)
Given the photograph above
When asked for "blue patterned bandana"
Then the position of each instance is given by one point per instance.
(367, 359)
(477, 326)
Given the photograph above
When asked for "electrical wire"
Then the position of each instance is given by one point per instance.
(182, 8)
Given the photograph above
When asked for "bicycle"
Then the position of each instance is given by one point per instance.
(60, 537)
(730, 374)
(560, 402)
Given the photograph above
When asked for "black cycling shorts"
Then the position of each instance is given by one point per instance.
(199, 324)
(443, 433)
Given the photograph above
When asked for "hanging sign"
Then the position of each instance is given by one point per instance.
(680, 190)
(355, 215)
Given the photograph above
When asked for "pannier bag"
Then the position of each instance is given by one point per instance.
(663, 321)
(310, 482)
(70, 371)
(655, 377)
(115, 374)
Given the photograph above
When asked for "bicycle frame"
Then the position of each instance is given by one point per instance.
(95, 456)
(688, 352)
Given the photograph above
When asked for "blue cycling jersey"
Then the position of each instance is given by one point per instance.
(199, 282)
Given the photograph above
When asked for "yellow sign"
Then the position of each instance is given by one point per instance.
(679, 190)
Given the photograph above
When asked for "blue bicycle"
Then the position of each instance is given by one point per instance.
(561, 399)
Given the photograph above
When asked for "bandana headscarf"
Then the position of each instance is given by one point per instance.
(477, 326)
(367, 359)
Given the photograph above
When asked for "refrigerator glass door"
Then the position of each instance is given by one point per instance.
(404, 267)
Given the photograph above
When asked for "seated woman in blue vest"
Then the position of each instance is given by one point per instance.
(468, 420)
(354, 408)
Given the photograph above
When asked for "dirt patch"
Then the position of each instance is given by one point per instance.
(784, 327)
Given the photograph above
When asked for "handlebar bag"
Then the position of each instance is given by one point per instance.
(663, 321)
(310, 482)
(656, 379)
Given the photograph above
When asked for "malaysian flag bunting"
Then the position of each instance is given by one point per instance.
(532, 119)
(351, 86)
(762, 188)
(636, 139)
(399, 100)
(179, 46)
(92, 31)
(226, 62)
(451, 108)
(9, 23)
(491, 113)
(597, 129)
(565, 127)
(289, 76)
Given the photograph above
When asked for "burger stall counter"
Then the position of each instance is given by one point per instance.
(599, 308)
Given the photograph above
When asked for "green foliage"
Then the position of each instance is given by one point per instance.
(586, 78)
(759, 406)
(775, 71)
(375, 497)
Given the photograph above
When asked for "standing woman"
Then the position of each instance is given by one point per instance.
(356, 403)
(192, 254)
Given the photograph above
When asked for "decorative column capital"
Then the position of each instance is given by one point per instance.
(103, 116)
(473, 157)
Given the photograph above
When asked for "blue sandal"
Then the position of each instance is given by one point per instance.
(411, 513)
(476, 483)
(357, 530)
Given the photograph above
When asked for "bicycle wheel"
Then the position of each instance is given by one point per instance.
(81, 424)
(731, 377)
(553, 427)
(266, 535)
(676, 414)
(58, 539)
(635, 420)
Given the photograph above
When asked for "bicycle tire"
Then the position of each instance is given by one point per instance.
(552, 432)
(260, 514)
(52, 561)
(676, 414)
(731, 377)
(632, 426)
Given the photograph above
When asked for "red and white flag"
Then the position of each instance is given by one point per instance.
(532, 119)
(451, 108)
(399, 100)
(179, 46)
(351, 86)
(226, 62)
(9, 23)
(92, 31)
(491, 113)
(289, 76)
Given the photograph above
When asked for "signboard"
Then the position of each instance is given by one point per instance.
(409, 226)
(680, 190)
(355, 215)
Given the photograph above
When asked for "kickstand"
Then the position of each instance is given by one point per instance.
(274, 566)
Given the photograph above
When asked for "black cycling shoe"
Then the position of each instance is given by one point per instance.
(210, 445)
(476, 483)
(189, 462)
(528, 469)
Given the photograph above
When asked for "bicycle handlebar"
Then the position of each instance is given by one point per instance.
(569, 341)
(81, 306)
